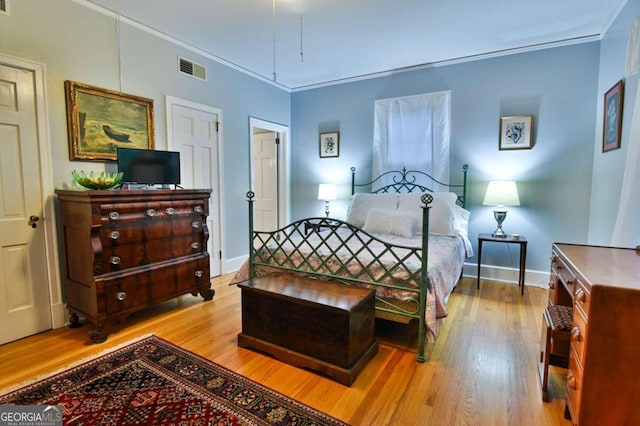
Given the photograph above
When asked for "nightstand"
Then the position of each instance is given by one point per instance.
(509, 239)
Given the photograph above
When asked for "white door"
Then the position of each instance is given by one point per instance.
(24, 285)
(265, 181)
(195, 135)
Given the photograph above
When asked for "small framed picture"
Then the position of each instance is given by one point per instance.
(329, 145)
(516, 132)
(612, 117)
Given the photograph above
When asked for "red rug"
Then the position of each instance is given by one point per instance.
(153, 382)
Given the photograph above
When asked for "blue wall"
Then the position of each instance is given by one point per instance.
(608, 168)
(558, 86)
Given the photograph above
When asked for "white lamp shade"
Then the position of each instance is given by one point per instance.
(327, 191)
(501, 193)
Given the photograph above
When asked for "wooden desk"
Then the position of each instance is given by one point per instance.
(603, 286)
(521, 241)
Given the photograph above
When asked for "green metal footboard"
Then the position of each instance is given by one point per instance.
(333, 249)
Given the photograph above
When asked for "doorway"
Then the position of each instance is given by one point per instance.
(269, 148)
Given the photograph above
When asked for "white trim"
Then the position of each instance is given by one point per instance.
(613, 18)
(505, 52)
(472, 58)
(507, 275)
(232, 265)
(170, 101)
(177, 42)
(284, 209)
(49, 221)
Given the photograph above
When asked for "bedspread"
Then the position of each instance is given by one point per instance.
(394, 269)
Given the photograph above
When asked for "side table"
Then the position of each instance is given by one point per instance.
(509, 239)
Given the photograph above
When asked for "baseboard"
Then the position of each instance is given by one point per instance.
(232, 265)
(507, 275)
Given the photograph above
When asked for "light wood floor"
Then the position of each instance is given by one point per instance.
(480, 371)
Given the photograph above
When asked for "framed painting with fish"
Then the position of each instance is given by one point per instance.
(516, 132)
(100, 120)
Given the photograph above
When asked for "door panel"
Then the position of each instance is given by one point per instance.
(195, 135)
(265, 181)
(24, 287)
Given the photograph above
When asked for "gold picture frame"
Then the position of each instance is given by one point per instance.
(516, 132)
(329, 145)
(100, 120)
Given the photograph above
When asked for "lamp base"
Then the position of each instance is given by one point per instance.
(499, 233)
(500, 215)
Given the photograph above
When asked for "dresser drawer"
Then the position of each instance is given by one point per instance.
(116, 234)
(582, 298)
(578, 334)
(574, 386)
(180, 277)
(124, 294)
(123, 212)
(564, 273)
(127, 256)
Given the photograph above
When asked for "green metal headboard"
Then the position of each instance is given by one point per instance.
(412, 181)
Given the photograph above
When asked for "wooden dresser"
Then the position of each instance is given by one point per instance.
(603, 285)
(126, 250)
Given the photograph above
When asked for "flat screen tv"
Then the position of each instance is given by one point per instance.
(149, 167)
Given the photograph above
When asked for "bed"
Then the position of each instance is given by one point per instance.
(390, 237)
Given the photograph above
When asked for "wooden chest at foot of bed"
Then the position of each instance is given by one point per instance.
(324, 326)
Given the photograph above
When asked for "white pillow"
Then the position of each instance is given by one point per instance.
(381, 221)
(362, 204)
(441, 215)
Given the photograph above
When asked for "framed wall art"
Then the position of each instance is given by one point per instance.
(329, 145)
(100, 120)
(516, 132)
(612, 117)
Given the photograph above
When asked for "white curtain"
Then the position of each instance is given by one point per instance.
(413, 132)
(626, 232)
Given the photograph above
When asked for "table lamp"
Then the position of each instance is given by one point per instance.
(326, 192)
(501, 193)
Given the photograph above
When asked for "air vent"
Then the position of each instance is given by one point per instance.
(191, 68)
(4, 7)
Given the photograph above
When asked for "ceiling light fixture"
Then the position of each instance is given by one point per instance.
(301, 13)
(273, 12)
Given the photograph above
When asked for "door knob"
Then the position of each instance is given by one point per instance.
(33, 219)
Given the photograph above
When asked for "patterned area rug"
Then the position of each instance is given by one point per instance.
(153, 382)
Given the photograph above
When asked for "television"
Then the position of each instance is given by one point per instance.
(149, 167)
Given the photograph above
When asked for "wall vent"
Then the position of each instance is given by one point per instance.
(191, 68)
(4, 7)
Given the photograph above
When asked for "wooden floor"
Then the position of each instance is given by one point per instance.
(480, 371)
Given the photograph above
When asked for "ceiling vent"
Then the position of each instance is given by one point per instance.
(4, 7)
(191, 68)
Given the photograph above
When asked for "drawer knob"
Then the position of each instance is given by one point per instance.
(198, 274)
(575, 334)
(554, 259)
(114, 235)
(552, 284)
(571, 380)
(170, 211)
(195, 245)
(195, 225)
(115, 260)
(121, 295)
(580, 296)
(114, 215)
(198, 209)
(151, 212)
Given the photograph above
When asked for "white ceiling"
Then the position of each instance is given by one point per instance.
(344, 39)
